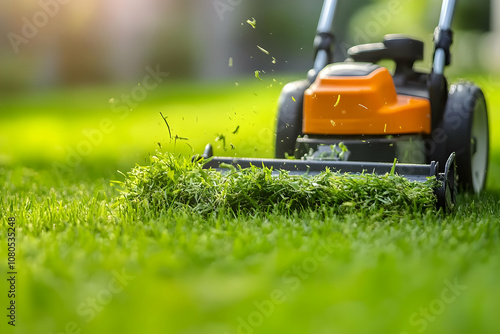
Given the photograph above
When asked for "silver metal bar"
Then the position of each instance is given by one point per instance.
(321, 61)
(447, 12)
(325, 25)
(439, 61)
(445, 20)
(312, 167)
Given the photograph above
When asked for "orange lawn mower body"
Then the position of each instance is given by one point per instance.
(356, 116)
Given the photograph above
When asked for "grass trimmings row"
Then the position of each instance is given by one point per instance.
(177, 183)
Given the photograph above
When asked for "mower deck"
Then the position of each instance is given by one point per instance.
(445, 193)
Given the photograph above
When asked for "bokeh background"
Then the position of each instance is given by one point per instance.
(111, 41)
(67, 66)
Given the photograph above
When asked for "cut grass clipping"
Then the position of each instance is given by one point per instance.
(176, 183)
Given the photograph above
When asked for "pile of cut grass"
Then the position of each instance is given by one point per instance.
(176, 183)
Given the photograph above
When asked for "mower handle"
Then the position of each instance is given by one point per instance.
(443, 37)
(327, 14)
(324, 38)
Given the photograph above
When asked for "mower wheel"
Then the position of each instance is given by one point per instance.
(465, 124)
(289, 125)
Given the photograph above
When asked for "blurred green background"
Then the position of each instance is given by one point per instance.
(75, 107)
(90, 42)
(81, 63)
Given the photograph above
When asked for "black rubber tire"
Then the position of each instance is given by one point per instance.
(465, 125)
(289, 124)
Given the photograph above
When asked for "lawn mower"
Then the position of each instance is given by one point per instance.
(355, 116)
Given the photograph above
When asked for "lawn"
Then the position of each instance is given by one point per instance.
(86, 267)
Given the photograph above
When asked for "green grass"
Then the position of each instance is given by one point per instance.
(170, 183)
(314, 271)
